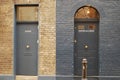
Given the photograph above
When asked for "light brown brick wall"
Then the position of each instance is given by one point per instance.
(47, 35)
(26, 1)
(6, 38)
(47, 54)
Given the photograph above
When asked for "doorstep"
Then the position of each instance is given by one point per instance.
(22, 77)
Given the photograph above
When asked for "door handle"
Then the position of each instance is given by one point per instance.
(86, 46)
(75, 41)
(27, 46)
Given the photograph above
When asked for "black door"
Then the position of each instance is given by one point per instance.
(86, 46)
(26, 48)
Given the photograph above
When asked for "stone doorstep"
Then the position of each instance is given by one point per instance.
(22, 77)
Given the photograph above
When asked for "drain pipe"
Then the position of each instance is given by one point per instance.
(84, 69)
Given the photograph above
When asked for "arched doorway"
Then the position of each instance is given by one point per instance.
(86, 40)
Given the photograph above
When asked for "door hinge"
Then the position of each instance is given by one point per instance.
(38, 27)
(37, 41)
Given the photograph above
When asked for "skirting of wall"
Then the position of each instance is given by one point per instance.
(6, 77)
(57, 77)
(47, 78)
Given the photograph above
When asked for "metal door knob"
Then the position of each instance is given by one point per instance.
(27, 46)
(75, 41)
(86, 46)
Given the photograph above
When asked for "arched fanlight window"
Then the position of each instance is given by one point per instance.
(87, 12)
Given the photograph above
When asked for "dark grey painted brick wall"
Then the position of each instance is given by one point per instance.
(109, 36)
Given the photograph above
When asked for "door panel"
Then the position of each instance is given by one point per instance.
(86, 33)
(27, 48)
(92, 62)
(87, 37)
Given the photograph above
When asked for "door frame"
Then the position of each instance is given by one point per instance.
(14, 36)
(85, 21)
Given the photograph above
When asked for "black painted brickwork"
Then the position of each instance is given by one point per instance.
(109, 36)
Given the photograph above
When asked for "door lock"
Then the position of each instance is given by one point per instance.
(27, 46)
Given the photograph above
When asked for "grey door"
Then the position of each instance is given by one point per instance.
(86, 46)
(26, 48)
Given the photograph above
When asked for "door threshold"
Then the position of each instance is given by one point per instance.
(26, 77)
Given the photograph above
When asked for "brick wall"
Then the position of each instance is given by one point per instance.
(109, 35)
(64, 14)
(6, 38)
(47, 35)
(47, 53)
